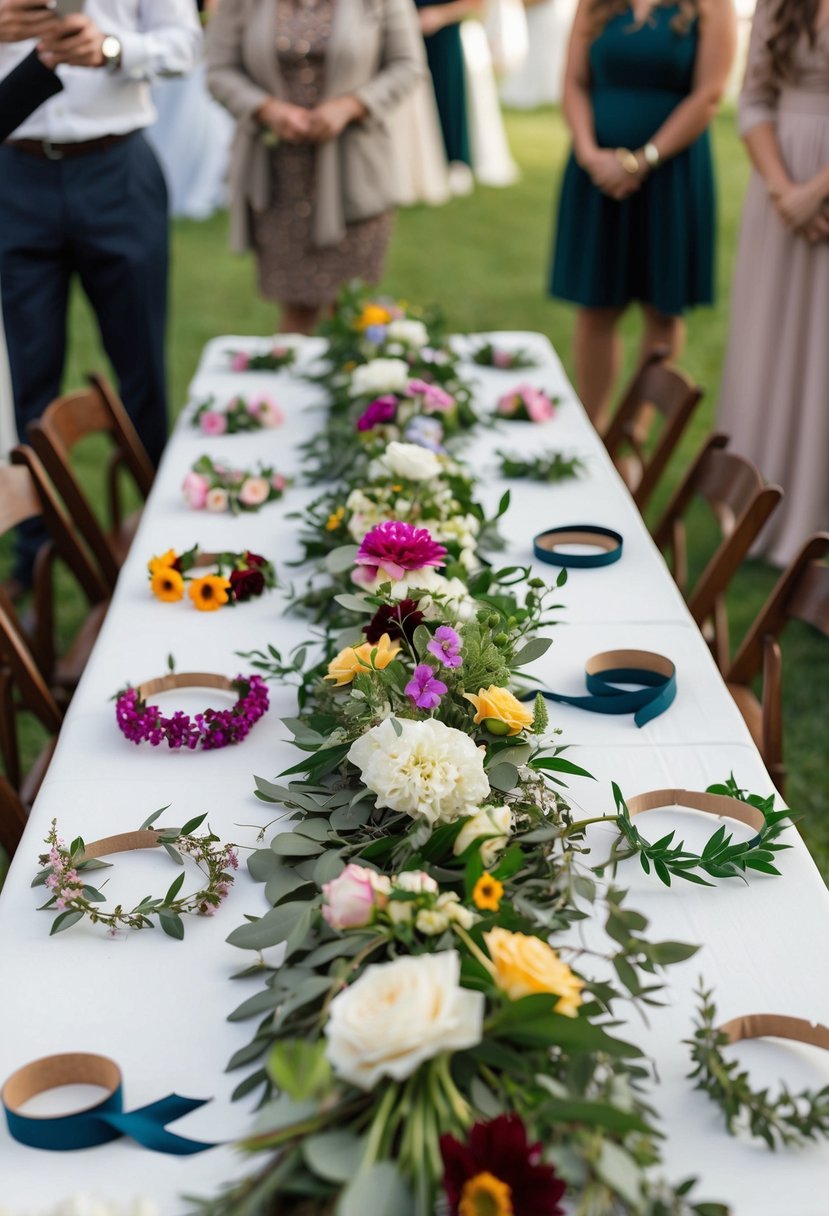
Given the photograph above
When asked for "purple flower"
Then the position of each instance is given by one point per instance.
(395, 547)
(378, 411)
(446, 646)
(375, 334)
(424, 688)
(426, 432)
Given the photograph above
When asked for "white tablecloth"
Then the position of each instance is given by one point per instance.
(159, 1007)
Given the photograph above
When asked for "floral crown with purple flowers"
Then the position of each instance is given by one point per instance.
(211, 730)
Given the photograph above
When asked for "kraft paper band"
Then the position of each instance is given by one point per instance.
(655, 674)
(719, 805)
(776, 1026)
(99, 1123)
(184, 679)
(606, 540)
(125, 842)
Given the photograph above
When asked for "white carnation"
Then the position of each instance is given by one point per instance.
(408, 461)
(492, 821)
(399, 1014)
(413, 334)
(431, 922)
(380, 376)
(429, 771)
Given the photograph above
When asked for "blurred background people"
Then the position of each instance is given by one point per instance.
(491, 159)
(538, 80)
(311, 88)
(82, 192)
(775, 391)
(441, 29)
(636, 211)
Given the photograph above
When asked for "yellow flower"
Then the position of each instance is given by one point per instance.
(350, 662)
(486, 1195)
(210, 592)
(488, 893)
(335, 519)
(373, 314)
(500, 711)
(167, 584)
(524, 965)
(164, 562)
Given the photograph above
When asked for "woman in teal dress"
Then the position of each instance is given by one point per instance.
(636, 215)
(440, 26)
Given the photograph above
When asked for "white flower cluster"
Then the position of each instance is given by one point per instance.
(380, 376)
(412, 334)
(495, 824)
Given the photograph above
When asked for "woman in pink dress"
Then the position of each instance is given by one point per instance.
(775, 391)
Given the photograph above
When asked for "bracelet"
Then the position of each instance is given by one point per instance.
(99, 1123)
(211, 730)
(241, 576)
(606, 540)
(628, 160)
(73, 898)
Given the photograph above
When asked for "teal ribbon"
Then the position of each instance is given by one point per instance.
(99, 1124)
(608, 546)
(656, 693)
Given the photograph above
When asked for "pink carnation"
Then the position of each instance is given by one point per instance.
(395, 547)
(213, 423)
(435, 399)
(239, 361)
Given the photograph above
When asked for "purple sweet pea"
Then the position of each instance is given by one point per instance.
(377, 412)
(424, 688)
(375, 334)
(446, 647)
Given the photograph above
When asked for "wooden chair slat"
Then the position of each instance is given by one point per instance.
(12, 817)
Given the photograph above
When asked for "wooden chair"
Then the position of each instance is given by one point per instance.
(741, 503)
(12, 818)
(22, 687)
(69, 419)
(801, 593)
(657, 389)
(25, 491)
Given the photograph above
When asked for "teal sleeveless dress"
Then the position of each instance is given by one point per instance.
(657, 246)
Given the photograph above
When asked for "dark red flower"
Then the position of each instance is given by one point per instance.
(245, 584)
(498, 1171)
(254, 559)
(397, 620)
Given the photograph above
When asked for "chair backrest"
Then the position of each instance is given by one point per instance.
(64, 423)
(741, 503)
(658, 389)
(21, 685)
(801, 593)
(12, 817)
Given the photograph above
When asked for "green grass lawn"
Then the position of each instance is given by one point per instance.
(485, 260)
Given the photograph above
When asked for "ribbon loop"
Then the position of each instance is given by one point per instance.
(608, 542)
(655, 674)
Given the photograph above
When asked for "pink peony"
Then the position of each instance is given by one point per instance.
(239, 361)
(350, 899)
(435, 400)
(254, 491)
(377, 412)
(213, 423)
(395, 547)
(195, 489)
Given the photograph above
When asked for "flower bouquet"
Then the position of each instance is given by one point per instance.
(241, 414)
(210, 486)
(527, 404)
(365, 327)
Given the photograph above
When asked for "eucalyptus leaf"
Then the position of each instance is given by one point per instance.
(531, 651)
(334, 1155)
(299, 1069)
(341, 560)
(379, 1191)
(289, 844)
(270, 930)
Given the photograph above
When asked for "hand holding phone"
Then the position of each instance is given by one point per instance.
(65, 8)
(22, 19)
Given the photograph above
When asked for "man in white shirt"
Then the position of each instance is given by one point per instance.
(82, 192)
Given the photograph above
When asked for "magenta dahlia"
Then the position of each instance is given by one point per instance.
(378, 412)
(395, 547)
(499, 1172)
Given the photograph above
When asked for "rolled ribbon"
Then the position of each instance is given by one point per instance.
(656, 675)
(97, 1124)
(607, 543)
(719, 805)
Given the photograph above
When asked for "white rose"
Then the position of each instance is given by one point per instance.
(492, 821)
(379, 376)
(409, 461)
(411, 333)
(399, 1014)
(429, 771)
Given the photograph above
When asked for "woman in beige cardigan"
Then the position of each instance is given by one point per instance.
(311, 83)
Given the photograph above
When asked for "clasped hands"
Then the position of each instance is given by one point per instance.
(75, 39)
(803, 208)
(298, 125)
(608, 174)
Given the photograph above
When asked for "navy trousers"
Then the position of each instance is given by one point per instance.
(102, 216)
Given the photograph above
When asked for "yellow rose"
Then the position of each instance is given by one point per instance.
(523, 966)
(354, 659)
(373, 314)
(503, 713)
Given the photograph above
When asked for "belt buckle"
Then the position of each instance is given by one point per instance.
(50, 151)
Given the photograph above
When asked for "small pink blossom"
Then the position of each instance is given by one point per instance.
(502, 359)
(195, 489)
(213, 423)
(279, 483)
(266, 410)
(254, 491)
(350, 899)
(217, 500)
(435, 399)
(60, 904)
(239, 362)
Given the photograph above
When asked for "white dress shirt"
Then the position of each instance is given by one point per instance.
(158, 38)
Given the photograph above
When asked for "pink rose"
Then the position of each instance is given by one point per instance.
(266, 410)
(213, 423)
(217, 500)
(195, 489)
(501, 358)
(254, 491)
(538, 405)
(239, 362)
(279, 483)
(508, 404)
(350, 900)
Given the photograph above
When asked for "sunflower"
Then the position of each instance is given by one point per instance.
(166, 561)
(167, 584)
(210, 592)
(488, 893)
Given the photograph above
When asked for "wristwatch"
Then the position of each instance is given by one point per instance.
(111, 51)
(651, 153)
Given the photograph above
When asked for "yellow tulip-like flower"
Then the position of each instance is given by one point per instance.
(164, 562)
(167, 585)
(502, 713)
(523, 965)
(488, 893)
(373, 314)
(355, 659)
(210, 592)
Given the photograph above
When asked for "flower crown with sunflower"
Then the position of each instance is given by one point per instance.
(239, 577)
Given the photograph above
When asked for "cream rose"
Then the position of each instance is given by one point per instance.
(379, 376)
(428, 771)
(410, 333)
(494, 822)
(408, 461)
(399, 1014)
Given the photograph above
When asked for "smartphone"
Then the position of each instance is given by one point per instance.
(63, 8)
